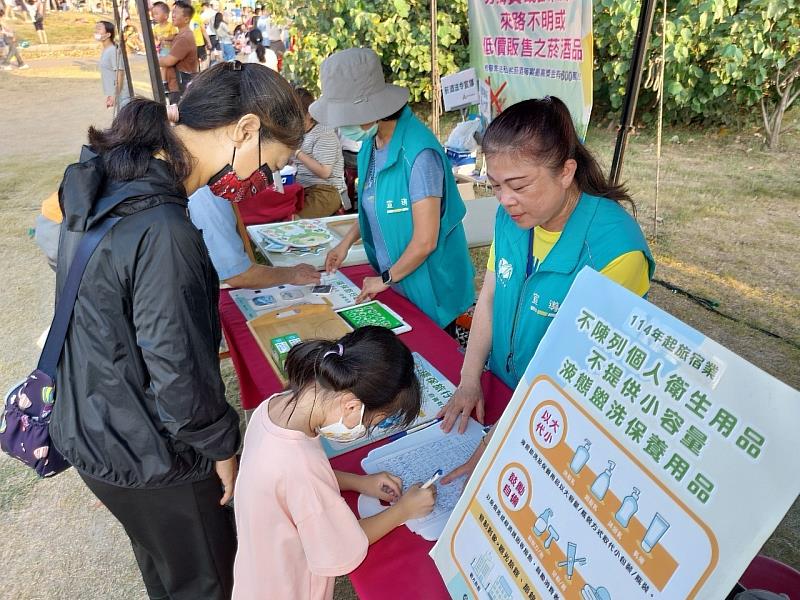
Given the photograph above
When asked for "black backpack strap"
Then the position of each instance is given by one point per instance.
(51, 353)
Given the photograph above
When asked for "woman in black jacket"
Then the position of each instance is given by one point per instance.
(141, 410)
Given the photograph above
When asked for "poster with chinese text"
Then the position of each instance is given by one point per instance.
(531, 49)
(637, 459)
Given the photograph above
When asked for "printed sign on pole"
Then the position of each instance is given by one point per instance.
(528, 50)
(637, 460)
(460, 89)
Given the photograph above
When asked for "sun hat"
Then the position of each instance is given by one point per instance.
(354, 91)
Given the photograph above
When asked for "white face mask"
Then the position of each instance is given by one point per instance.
(339, 432)
(99, 37)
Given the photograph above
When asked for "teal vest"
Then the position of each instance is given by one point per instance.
(597, 232)
(442, 286)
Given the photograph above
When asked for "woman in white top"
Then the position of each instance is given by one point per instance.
(224, 37)
(260, 54)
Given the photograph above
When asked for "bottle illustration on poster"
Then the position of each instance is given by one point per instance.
(600, 486)
(581, 457)
(628, 508)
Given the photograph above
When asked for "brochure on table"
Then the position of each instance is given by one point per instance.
(637, 459)
(436, 391)
(315, 256)
(253, 303)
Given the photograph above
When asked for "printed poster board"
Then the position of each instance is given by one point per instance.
(531, 49)
(637, 459)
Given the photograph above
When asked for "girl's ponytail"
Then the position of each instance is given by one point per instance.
(139, 131)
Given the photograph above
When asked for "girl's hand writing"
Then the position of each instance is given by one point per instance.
(416, 502)
(383, 486)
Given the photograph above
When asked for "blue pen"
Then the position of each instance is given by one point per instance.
(432, 480)
(414, 429)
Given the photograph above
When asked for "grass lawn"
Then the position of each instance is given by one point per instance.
(69, 27)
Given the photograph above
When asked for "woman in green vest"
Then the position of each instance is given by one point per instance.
(558, 213)
(410, 211)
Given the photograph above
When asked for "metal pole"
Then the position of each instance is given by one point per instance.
(436, 86)
(150, 50)
(123, 48)
(632, 89)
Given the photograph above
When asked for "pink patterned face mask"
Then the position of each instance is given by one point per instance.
(226, 184)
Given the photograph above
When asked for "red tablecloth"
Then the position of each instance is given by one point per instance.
(270, 206)
(398, 566)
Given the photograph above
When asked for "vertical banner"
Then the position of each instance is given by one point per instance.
(534, 48)
(637, 460)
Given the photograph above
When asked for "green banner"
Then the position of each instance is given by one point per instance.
(534, 48)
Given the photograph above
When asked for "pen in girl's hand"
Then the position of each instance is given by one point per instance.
(432, 480)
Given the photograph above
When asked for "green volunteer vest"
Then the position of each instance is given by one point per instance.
(442, 286)
(597, 232)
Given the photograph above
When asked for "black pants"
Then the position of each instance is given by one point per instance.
(183, 540)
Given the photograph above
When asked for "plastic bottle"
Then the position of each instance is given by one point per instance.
(628, 508)
(581, 457)
(541, 522)
(600, 485)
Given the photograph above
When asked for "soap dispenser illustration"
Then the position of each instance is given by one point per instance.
(580, 457)
(600, 485)
(541, 523)
(628, 508)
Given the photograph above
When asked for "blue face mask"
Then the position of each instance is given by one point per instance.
(355, 133)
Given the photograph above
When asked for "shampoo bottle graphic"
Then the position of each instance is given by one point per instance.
(581, 457)
(628, 508)
(600, 485)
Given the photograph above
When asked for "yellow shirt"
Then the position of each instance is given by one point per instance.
(196, 25)
(164, 30)
(630, 270)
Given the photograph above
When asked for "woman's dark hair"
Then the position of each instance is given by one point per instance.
(256, 40)
(372, 364)
(217, 97)
(109, 27)
(541, 130)
(306, 98)
(218, 18)
(395, 115)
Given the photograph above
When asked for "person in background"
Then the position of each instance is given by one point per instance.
(296, 533)
(207, 16)
(320, 166)
(141, 411)
(9, 39)
(558, 213)
(275, 36)
(215, 217)
(36, 9)
(259, 53)
(201, 39)
(224, 37)
(164, 34)
(240, 40)
(182, 57)
(112, 73)
(133, 41)
(410, 210)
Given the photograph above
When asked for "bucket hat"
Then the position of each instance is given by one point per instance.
(354, 91)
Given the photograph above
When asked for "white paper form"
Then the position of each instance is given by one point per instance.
(414, 458)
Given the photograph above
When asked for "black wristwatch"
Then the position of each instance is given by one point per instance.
(386, 277)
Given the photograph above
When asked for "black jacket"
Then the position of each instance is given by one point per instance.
(139, 398)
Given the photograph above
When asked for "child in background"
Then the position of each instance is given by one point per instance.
(133, 41)
(296, 533)
(163, 32)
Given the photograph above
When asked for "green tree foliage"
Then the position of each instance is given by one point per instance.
(726, 60)
(398, 30)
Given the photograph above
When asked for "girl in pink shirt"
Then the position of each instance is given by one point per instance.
(296, 533)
